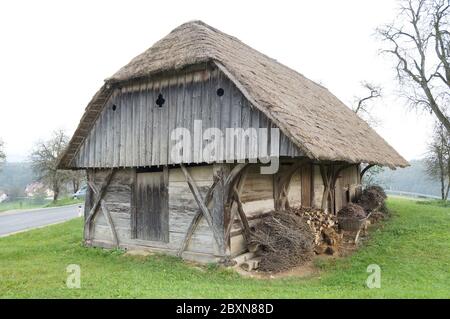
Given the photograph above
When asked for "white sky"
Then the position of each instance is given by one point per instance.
(54, 55)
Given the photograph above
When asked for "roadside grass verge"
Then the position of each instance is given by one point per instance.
(65, 201)
(412, 249)
(21, 204)
(31, 203)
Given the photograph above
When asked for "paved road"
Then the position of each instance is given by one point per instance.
(11, 222)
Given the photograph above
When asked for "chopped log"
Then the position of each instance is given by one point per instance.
(243, 258)
(251, 264)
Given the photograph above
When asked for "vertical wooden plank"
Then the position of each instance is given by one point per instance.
(136, 126)
(110, 135)
(164, 123)
(218, 211)
(142, 136)
(196, 115)
(164, 205)
(245, 148)
(206, 100)
(133, 190)
(225, 113)
(123, 128)
(98, 142)
(92, 147)
(263, 136)
(117, 131)
(235, 119)
(180, 121)
(216, 104)
(187, 110)
(88, 201)
(173, 94)
(149, 125)
(156, 140)
(255, 124)
(129, 127)
(104, 129)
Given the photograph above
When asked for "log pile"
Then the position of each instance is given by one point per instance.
(323, 225)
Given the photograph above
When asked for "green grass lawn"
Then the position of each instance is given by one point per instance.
(412, 249)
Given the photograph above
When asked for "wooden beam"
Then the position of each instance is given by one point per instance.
(196, 220)
(366, 169)
(326, 178)
(234, 209)
(242, 216)
(229, 182)
(110, 222)
(200, 202)
(99, 197)
(281, 184)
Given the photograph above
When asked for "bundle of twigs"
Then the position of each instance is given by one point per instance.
(284, 240)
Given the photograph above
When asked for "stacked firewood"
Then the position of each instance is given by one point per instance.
(324, 227)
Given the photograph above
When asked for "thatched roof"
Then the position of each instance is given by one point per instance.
(312, 117)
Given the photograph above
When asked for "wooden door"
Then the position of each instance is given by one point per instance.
(152, 206)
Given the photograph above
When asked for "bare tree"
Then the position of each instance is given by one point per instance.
(419, 42)
(77, 178)
(44, 159)
(438, 159)
(363, 109)
(363, 104)
(373, 92)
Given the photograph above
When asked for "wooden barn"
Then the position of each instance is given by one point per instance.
(198, 79)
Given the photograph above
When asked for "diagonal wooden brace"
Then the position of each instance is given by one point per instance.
(200, 202)
(196, 220)
(100, 194)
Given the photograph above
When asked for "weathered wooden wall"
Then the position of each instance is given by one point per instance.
(132, 131)
(257, 197)
(182, 207)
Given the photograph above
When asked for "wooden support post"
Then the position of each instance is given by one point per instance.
(327, 180)
(232, 205)
(281, 185)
